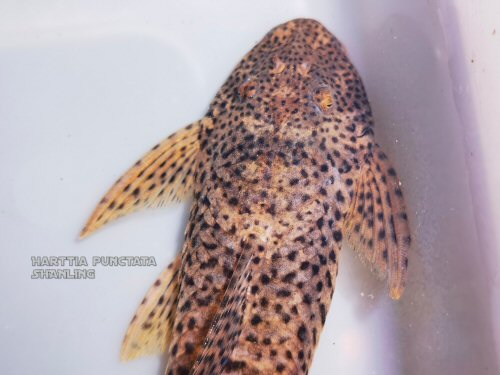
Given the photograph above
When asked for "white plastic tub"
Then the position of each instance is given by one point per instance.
(87, 87)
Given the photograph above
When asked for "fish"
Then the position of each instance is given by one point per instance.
(282, 169)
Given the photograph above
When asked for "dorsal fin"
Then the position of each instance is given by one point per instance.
(377, 223)
(224, 334)
(150, 330)
(164, 174)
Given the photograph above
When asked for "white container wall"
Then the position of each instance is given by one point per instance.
(86, 87)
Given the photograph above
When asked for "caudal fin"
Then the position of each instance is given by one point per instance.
(377, 223)
(164, 174)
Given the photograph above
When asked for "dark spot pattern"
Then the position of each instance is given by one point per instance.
(282, 168)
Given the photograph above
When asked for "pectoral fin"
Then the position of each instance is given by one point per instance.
(150, 330)
(377, 223)
(164, 174)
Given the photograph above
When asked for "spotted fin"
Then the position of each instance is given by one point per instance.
(377, 224)
(164, 174)
(150, 330)
(224, 334)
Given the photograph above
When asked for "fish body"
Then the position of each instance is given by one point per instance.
(282, 168)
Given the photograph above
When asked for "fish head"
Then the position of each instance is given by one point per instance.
(297, 79)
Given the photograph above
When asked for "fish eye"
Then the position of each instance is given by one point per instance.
(366, 131)
(324, 98)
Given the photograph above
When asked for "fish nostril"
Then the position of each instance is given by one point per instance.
(279, 66)
(247, 90)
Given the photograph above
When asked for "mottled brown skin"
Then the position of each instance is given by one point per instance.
(290, 128)
(286, 165)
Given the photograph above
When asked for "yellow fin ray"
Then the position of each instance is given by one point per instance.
(150, 330)
(377, 223)
(165, 174)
